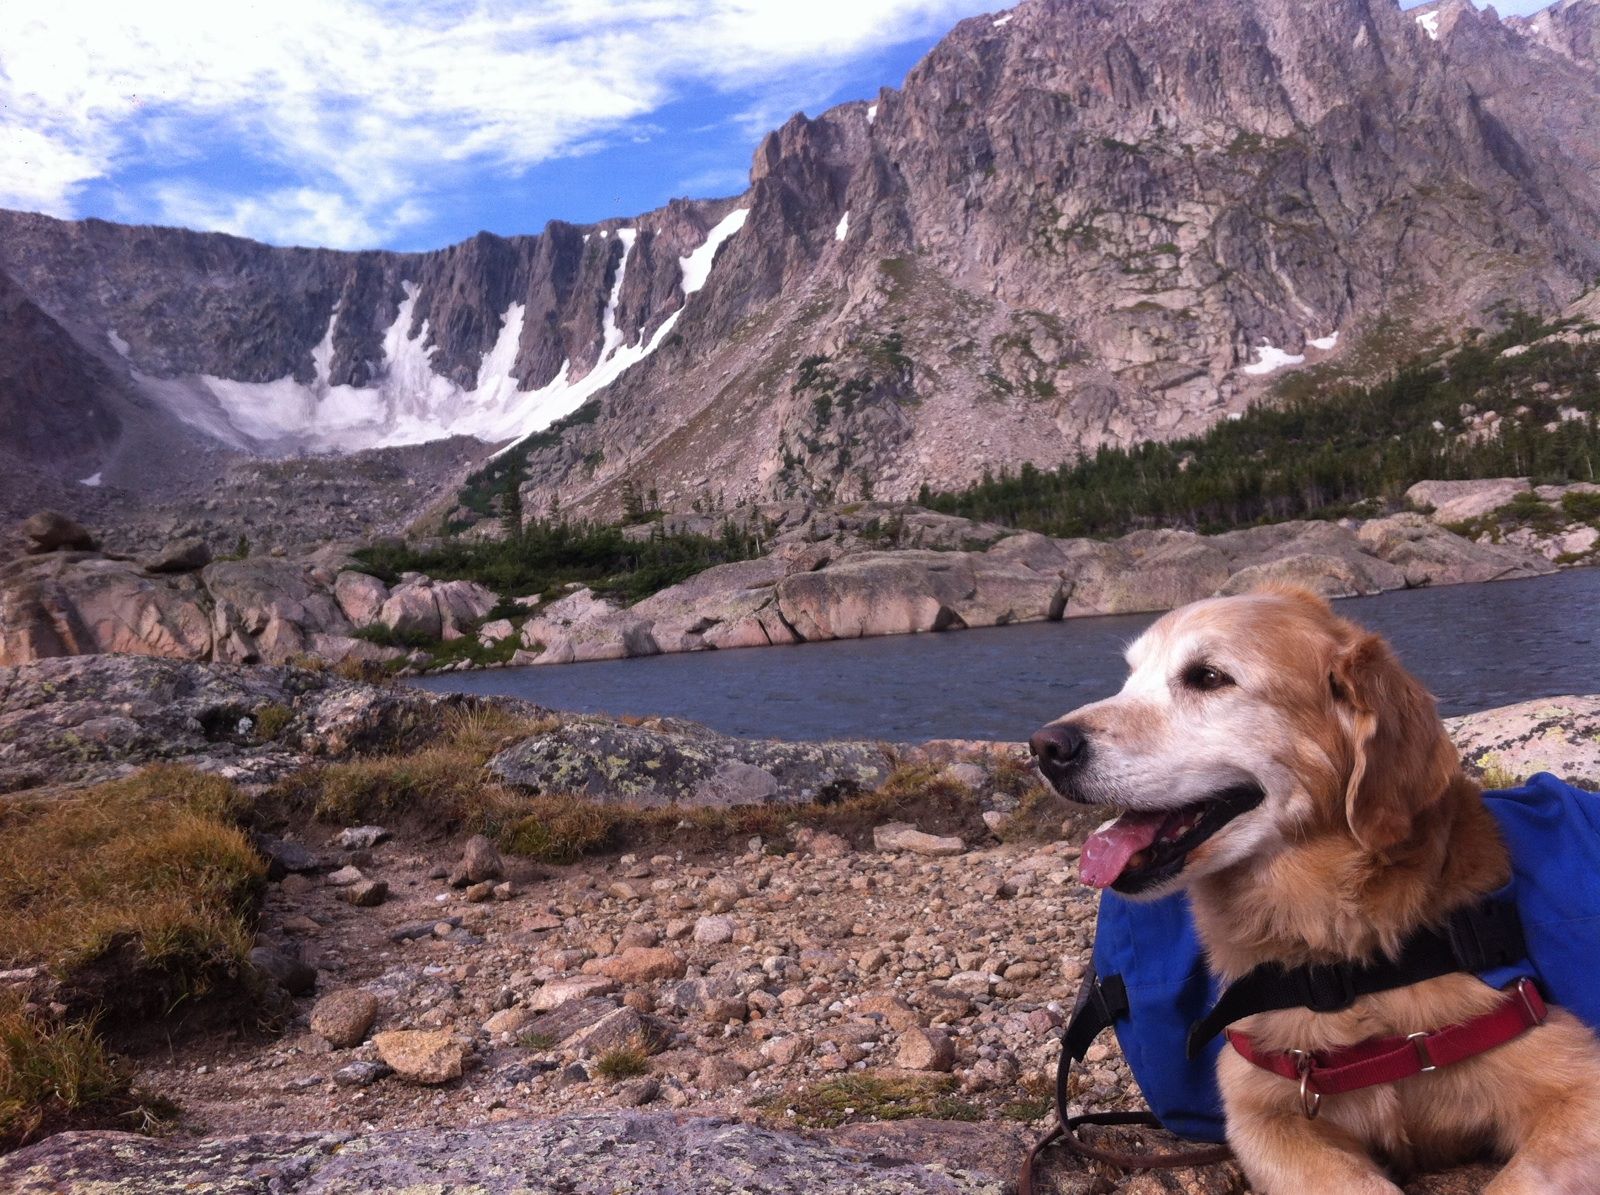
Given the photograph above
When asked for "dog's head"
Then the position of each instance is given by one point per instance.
(1248, 724)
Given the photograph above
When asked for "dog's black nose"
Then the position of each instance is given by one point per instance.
(1059, 748)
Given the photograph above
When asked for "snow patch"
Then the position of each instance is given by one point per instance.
(843, 230)
(1325, 343)
(1430, 24)
(1002, 22)
(872, 113)
(1273, 358)
(411, 403)
(93, 481)
(121, 345)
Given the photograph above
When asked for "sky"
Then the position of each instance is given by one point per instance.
(413, 124)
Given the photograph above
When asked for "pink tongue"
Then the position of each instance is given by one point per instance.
(1106, 852)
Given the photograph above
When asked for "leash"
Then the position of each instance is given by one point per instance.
(1099, 1005)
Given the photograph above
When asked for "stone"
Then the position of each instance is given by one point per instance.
(620, 1029)
(480, 861)
(425, 1056)
(643, 964)
(366, 894)
(900, 836)
(360, 597)
(719, 1072)
(181, 556)
(508, 1022)
(925, 1050)
(361, 838)
(478, 893)
(576, 987)
(345, 876)
(295, 977)
(343, 1018)
(494, 632)
(51, 531)
(713, 931)
(821, 844)
(783, 1051)
(1430, 555)
(361, 1074)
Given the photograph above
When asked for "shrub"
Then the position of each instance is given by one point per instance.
(623, 1062)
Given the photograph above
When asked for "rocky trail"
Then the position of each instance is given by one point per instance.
(870, 1008)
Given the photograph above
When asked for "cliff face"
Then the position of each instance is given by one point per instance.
(1079, 222)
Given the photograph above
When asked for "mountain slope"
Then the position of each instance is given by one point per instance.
(1078, 223)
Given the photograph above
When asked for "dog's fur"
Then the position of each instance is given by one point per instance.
(1368, 831)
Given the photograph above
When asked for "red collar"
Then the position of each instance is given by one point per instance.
(1390, 1059)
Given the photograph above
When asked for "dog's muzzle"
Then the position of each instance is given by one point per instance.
(1059, 750)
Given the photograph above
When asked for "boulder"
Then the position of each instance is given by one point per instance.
(894, 593)
(680, 763)
(69, 604)
(264, 610)
(1458, 501)
(583, 627)
(643, 964)
(726, 606)
(1555, 734)
(412, 610)
(1330, 576)
(1430, 555)
(360, 597)
(180, 556)
(51, 531)
(1145, 572)
(426, 1056)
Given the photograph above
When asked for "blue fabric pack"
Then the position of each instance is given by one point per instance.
(1149, 959)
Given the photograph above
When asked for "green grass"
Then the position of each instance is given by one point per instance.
(1323, 452)
(624, 1062)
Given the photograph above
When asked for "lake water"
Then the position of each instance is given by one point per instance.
(1476, 647)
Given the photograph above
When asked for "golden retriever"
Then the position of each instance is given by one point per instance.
(1302, 788)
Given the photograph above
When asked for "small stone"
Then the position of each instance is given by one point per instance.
(997, 822)
(968, 775)
(345, 876)
(426, 1056)
(295, 884)
(718, 1072)
(821, 844)
(361, 1074)
(971, 983)
(294, 976)
(641, 964)
(639, 935)
(576, 987)
(786, 1050)
(479, 861)
(637, 1092)
(361, 838)
(925, 1050)
(505, 890)
(508, 1022)
(366, 894)
(303, 1083)
(478, 893)
(343, 1018)
(713, 931)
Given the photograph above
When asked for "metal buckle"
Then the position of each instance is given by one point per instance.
(1534, 1016)
(1310, 1101)
(1419, 1043)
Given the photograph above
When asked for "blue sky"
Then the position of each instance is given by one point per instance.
(411, 124)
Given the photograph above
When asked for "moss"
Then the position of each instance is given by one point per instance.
(853, 1098)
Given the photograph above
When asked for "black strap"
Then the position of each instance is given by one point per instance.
(1478, 938)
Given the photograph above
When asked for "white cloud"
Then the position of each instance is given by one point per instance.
(363, 109)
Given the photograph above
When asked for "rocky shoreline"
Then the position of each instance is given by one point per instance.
(838, 1007)
(853, 572)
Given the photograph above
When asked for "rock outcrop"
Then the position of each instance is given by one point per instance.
(584, 1155)
(1557, 734)
(669, 762)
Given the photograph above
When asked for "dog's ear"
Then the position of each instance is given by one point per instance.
(1402, 759)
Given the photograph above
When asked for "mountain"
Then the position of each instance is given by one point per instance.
(1079, 222)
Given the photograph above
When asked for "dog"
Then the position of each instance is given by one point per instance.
(1279, 763)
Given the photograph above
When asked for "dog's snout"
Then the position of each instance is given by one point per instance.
(1059, 748)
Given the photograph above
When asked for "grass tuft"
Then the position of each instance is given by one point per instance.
(623, 1062)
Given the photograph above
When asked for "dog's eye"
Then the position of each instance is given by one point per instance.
(1205, 678)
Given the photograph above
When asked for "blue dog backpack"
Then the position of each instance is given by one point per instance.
(1150, 982)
